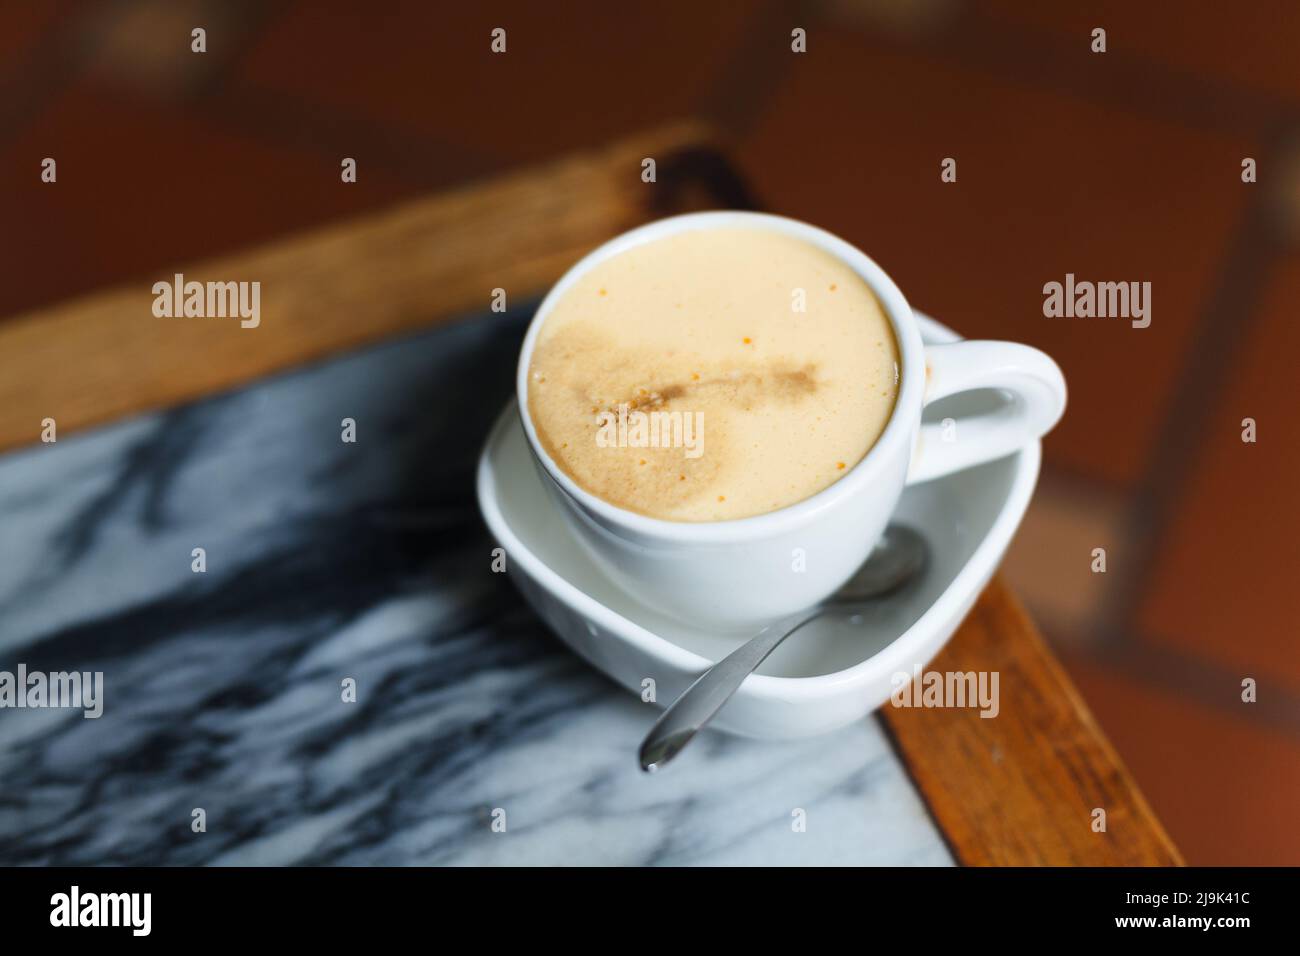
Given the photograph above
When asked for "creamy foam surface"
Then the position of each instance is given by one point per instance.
(753, 404)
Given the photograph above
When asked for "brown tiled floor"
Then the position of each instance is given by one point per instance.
(1226, 588)
(25, 25)
(1253, 49)
(121, 162)
(433, 75)
(1116, 167)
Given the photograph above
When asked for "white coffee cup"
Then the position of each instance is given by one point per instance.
(737, 575)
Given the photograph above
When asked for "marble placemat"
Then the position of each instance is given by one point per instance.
(475, 736)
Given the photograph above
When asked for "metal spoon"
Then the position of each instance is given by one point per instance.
(900, 556)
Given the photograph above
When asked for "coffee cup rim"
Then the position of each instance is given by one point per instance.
(899, 428)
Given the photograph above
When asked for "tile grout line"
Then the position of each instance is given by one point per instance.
(744, 85)
(1176, 672)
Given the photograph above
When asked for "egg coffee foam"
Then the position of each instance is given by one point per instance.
(713, 374)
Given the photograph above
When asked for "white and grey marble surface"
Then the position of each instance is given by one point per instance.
(328, 560)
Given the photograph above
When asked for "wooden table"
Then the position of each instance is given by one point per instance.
(1017, 790)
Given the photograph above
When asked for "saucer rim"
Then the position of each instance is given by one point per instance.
(973, 574)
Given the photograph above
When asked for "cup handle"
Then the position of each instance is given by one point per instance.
(1031, 382)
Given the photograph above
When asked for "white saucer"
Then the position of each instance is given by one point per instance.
(831, 673)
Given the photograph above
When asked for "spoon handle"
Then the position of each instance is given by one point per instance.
(704, 698)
